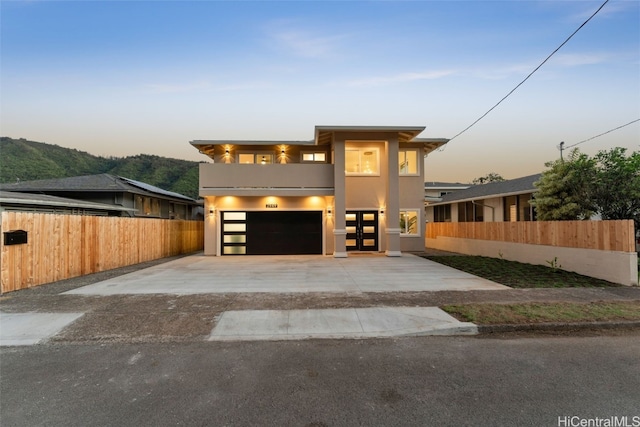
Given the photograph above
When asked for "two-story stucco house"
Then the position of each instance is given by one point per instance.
(351, 188)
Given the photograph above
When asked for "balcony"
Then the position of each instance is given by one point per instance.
(219, 179)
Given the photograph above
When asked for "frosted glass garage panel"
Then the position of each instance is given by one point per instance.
(235, 238)
(235, 216)
(235, 250)
(232, 227)
(368, 217)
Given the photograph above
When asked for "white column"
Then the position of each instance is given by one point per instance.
(392, 213)
(339, 185)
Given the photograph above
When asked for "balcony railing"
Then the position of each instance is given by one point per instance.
(219, 179)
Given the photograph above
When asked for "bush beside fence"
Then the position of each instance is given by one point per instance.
(64, 246)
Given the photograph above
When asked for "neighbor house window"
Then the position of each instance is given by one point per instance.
(255, 158)
(314, 157)
(362, 161)
(442, 213)
(518, 208)
(408, 162)
(147, 206)
(471, 212)
(409, 222)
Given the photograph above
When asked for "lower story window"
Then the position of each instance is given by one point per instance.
(442, 213)
(147, 206)
(409, 222)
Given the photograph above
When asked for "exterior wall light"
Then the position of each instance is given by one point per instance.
(329, 211)
(283, 154)
(381, 211)
(212, 211)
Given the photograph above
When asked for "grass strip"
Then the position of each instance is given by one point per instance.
(494, 314)
(519, 275)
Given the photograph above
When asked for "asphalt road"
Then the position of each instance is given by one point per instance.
(426, 381)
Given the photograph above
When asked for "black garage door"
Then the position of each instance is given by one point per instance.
(272, 233)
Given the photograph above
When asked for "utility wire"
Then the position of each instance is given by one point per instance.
(604, 133)
(530, 74)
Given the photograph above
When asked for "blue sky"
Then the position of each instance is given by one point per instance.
(122, 78)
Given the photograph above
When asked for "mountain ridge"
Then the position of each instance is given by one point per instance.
(25, 160)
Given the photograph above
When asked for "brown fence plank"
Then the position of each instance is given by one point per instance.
(615, 235)
(64, 246)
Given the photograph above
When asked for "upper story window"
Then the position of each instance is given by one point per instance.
(408, 162)
(362, 161)
(314, 157)
(255, 158)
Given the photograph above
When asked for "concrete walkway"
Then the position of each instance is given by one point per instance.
(374, 322)
(32, 328)
(200, 274)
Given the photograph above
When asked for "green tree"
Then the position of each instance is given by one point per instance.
(490, 177)
(617, 185)
(565, 190)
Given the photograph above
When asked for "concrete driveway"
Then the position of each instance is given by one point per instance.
(198, 274)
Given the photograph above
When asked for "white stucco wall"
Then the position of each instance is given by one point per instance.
(616, 267)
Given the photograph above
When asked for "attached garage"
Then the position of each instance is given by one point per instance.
(271, 232)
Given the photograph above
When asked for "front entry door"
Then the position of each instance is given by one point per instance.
(362, 230)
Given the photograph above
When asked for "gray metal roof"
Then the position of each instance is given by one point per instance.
(103, 182)
(492, 189)
(44, 200)
(439, 184)
(153, 189)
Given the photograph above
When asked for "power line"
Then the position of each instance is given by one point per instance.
(530, 74)
(604, 133)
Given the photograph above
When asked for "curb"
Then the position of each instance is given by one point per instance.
(557, 327)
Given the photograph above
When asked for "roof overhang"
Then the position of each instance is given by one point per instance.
(487, 196)
(324, 135)
(207, 146)
(27, 199)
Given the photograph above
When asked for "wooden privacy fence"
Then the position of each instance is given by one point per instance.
(63, 246)
(603, 235)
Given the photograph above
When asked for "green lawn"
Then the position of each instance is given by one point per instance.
(519, 275)
(492, 314)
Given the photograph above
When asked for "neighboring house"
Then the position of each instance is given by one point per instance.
(12, 201)
(496, 201)
(351, 188)
(434, 191)
(140, 199)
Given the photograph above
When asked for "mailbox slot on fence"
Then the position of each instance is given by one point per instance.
(15, 237)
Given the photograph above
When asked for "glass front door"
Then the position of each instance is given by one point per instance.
(362, 230)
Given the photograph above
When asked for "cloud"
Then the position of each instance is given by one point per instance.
(307, 45)
(203, 86)
(577, 59)
(291, 37)
(524, 68)
(610, 9)
(400, 78)
(177, 87)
